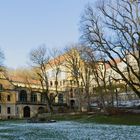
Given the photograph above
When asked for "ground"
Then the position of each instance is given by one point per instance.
(66, 130)
(74, 127)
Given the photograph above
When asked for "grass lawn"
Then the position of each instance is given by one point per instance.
(129, 119)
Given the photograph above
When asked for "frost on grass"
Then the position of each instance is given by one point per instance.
(67, 131)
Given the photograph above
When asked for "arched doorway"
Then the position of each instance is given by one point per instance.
(72, 104)
(26, 112)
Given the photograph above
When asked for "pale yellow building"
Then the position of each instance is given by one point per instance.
(18, 101)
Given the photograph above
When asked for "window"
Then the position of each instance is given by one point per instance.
(70, 82)
(60, 83)
(8, 110)
(53, 73)
(8, 98)
(63, 75)
(59, 74)
(33, 97)
(75, 90)
(51, 97)
(43, 98)
(51, 83)
(71, 90)
(102, 67)
(71, 95)
(60, 98)
(23, 96)
(56, 82)
(17, 110)
(72, 104)
(0, 108)
(63, 82)
(78, 82)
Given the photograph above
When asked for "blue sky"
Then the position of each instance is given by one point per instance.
(26, 24)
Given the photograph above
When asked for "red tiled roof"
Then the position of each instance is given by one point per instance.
(23, 80)
(117, 60)
(57, 61)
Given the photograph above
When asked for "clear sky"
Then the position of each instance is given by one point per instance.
(26, 24)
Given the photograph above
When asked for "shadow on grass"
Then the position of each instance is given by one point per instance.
(129, 119)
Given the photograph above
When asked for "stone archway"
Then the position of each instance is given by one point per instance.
(72, 104)
(26, 112)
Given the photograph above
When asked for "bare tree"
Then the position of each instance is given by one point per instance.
(115, 31)
(55, 64)
(87, 79)
(81, 72)
(73, 65)
(98, 71)
(104, 87)
(39, 60)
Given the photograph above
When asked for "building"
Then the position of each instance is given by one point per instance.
(71, 83)
(18, 101)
